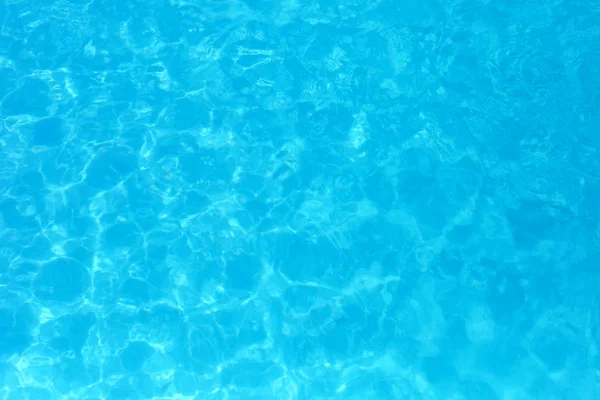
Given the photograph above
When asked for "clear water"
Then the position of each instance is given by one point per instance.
(299, 200)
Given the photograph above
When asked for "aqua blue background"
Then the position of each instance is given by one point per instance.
(300, 200)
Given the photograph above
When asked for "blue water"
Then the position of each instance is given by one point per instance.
(300, 200)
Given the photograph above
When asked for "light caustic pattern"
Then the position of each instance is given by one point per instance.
(299, 200)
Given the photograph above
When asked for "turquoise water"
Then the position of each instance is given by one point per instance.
(300, 200)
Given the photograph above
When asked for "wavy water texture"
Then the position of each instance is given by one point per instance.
(299, 200)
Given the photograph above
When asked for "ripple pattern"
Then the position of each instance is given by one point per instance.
(225, 200)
